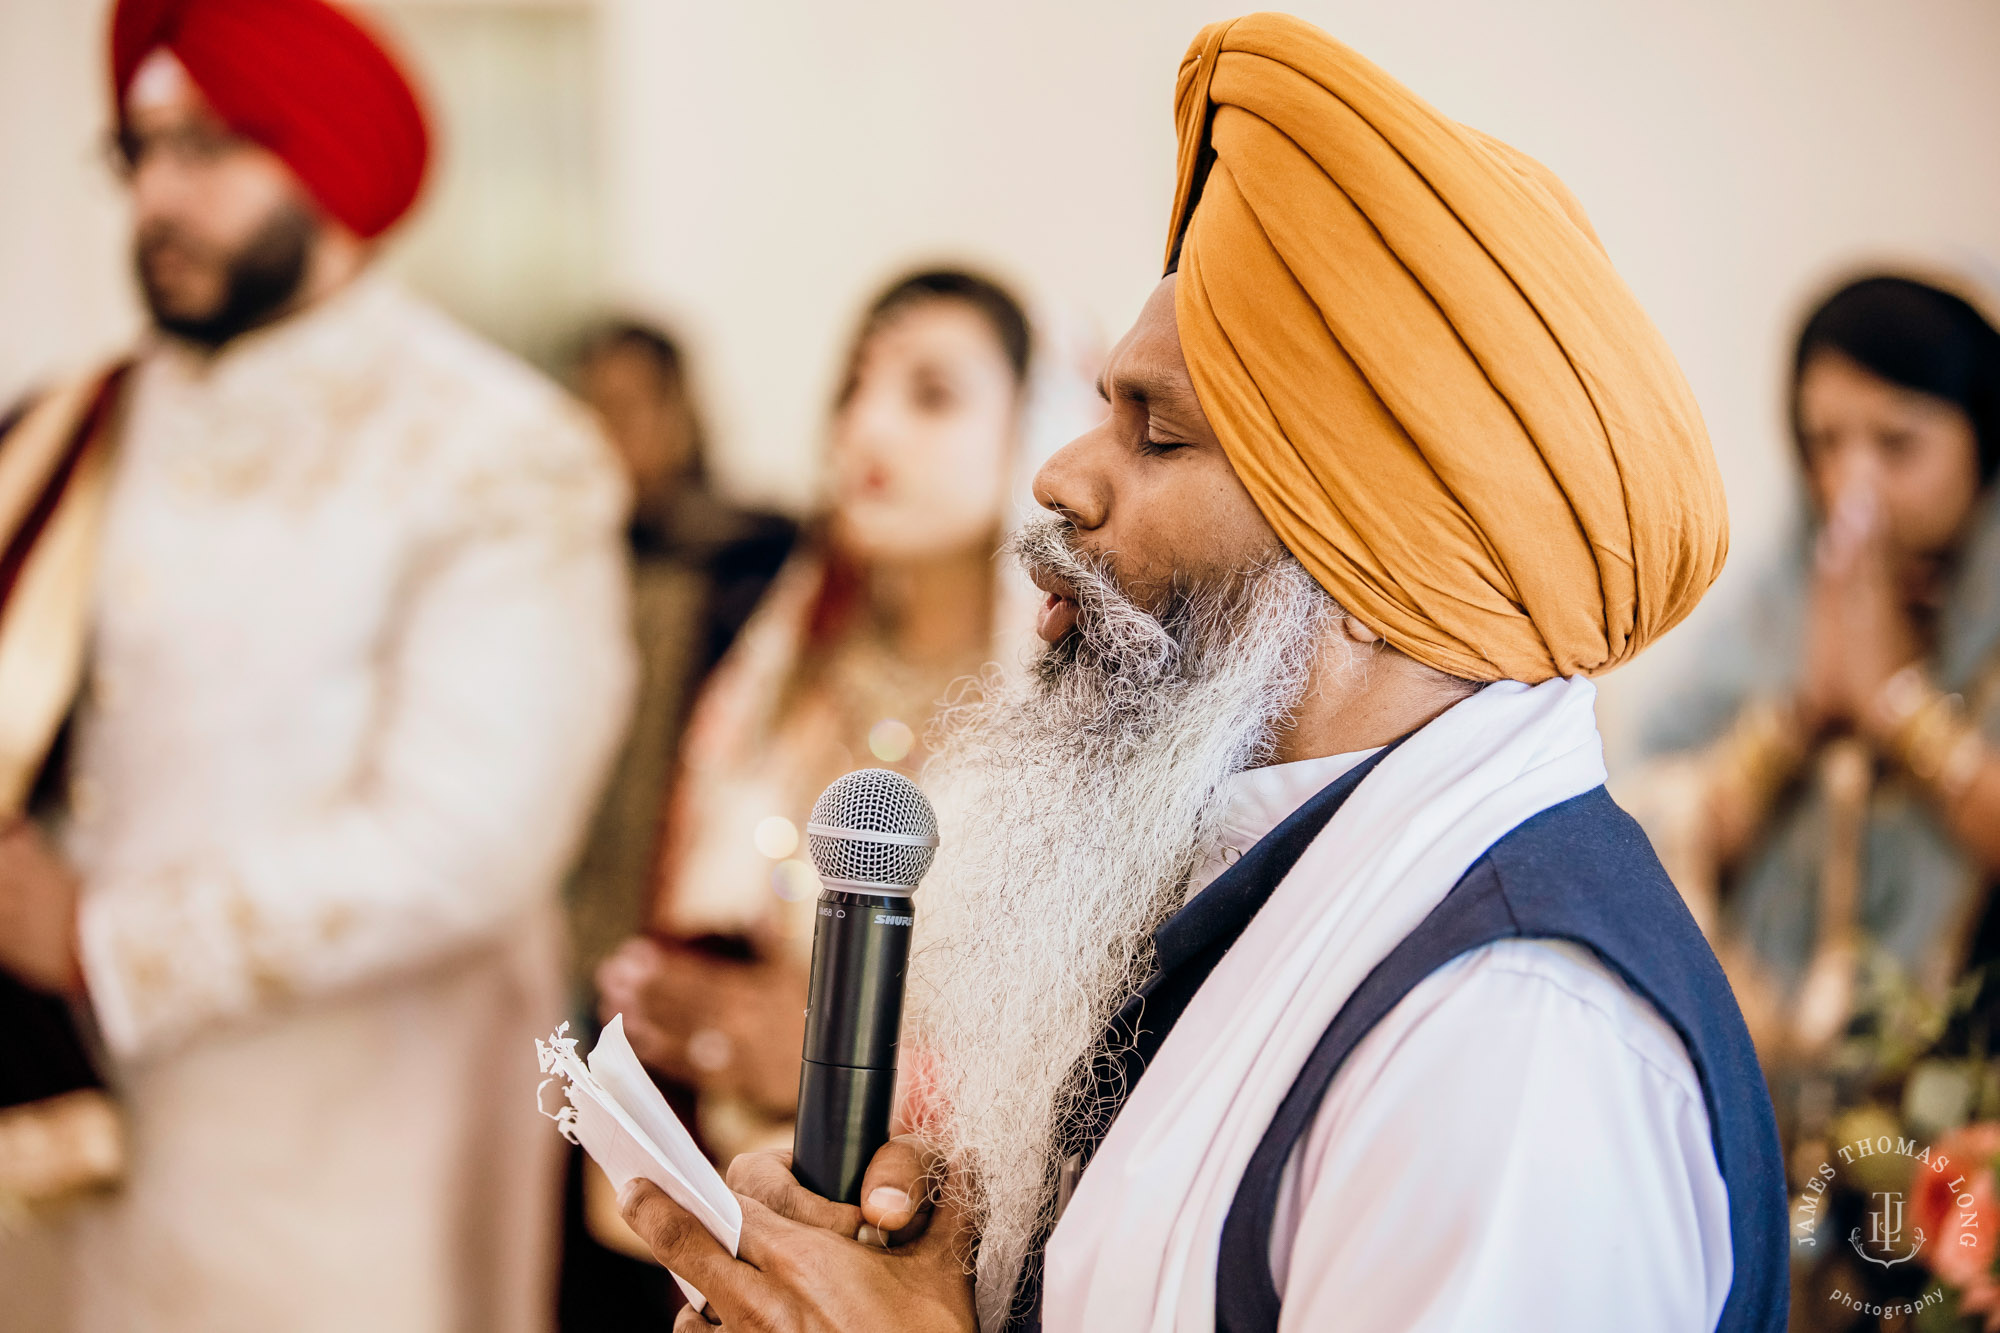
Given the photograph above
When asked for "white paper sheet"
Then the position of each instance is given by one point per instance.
(626, 1126)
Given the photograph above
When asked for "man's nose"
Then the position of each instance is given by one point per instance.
(157, 188)
(1069, 485)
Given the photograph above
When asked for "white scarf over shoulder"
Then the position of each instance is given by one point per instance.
(1137, 1247)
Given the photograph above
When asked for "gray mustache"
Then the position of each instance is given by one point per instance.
(1113, 628)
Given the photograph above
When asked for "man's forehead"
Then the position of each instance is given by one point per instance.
(162, 90)
(161, 81)
(1147, 362)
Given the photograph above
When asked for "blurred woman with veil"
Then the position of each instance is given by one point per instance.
(892, 596)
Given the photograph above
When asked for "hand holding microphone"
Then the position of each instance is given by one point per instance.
(872, 836)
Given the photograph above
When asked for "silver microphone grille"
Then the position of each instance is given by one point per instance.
(872, 829)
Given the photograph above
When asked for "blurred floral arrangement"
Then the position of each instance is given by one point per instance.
(1905, 1175)
(1961, 1223)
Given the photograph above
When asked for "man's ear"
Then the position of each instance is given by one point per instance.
(1359, 632)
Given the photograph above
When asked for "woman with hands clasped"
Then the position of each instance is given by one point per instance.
(1837, 771)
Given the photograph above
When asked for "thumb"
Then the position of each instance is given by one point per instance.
(901, 1178)
(951, 1235)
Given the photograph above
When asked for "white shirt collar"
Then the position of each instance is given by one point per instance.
(1260, 799)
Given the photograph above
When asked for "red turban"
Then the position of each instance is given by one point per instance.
(302, 79)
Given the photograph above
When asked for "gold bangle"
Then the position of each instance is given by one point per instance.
(1760, 753)
(1900, 698)
(1961, 766)
(1926, 731)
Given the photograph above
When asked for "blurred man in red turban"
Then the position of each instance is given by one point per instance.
(298, 89)
(332, 596)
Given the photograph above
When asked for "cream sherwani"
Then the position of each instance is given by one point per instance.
(360, 660)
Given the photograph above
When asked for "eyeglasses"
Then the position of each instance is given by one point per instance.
(192, 147)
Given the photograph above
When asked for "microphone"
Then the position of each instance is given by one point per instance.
(872, 836)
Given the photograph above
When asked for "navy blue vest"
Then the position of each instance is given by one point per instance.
(1581, 871)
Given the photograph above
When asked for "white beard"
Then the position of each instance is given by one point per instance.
(1076, 806)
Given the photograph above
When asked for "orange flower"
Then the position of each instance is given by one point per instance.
(1955, 1199)
(1982, 1299)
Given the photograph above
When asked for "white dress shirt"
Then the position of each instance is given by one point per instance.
(1526, 1066)
(1521, 1143)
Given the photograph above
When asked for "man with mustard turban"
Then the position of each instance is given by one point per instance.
(330, 595)
(1286, 965)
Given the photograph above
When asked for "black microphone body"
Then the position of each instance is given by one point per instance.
(872, 836)
(854, 1014)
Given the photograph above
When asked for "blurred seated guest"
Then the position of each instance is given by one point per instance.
(889, 600)
(358, 662)
(1839, 779)
(700, 565)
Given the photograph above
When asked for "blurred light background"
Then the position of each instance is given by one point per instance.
(752, 171)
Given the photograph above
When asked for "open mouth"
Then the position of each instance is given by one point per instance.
(1057, 616)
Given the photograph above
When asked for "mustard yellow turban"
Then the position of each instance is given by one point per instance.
(1425, 370)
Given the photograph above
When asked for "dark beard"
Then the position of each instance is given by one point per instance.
(264, 277)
